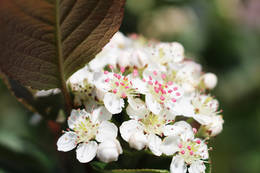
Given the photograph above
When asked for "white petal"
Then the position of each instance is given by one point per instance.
(197, 167)
(178, 165)
(67, 142)
(149, 72)
(113, 103)
(169, 130)
(216, 126)
(128, 128)
(152, 104)
(154, 144)
(100, 114)
(170, 145)
(99, 80)
(138, 140)
(140, 85)
(106, 130)
(203, 149)
(168, 115)
(109, 151)
(136, 109)
(184, 107)
(79, 76)
(184, 130)
(86, 151)
(75, 116)
(203, 119)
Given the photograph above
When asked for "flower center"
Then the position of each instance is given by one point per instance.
(85, 130)
(153, 124)
(164, 91)
(120, 85)
(190, 151)
(85, 88)
(203, 107)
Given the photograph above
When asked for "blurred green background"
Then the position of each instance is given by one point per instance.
(223, 35)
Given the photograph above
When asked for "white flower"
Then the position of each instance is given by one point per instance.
(86, 130)
(145, 129)
(205, 108)
(186, 74)
(189, 150)
(160, 94)
(116, 88)
(209, 80)
(121, 50)
(110, 52)
(162, 54)
(82, 86)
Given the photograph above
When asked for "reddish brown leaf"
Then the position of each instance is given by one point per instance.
(42, 42)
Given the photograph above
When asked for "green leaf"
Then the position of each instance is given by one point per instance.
(139, 171)
(43, 42)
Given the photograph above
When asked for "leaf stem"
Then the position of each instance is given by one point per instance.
(64, 88)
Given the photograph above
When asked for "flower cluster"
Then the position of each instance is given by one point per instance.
(163, 96)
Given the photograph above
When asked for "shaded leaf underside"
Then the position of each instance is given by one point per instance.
(43, 42)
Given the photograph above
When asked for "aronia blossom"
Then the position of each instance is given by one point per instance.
(189, 152)
(90, 133)
(145, 129)
(116, 87)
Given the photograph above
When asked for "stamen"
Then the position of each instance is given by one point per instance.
(114, 91)
(107, 80)
(198, 141)
(122, 69)
(163, 76)
(194, 130)
(111, 67)
(135, 73)
(156, 90)
(162, 98)
(173, 100)
(123, 95)
(170, 83)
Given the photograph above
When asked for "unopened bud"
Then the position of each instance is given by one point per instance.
(138, 141)
(210, 80)
(108, 151)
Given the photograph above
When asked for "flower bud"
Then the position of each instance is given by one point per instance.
(210, 80)
(138, 141)
(216, 126)
(108, 151)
